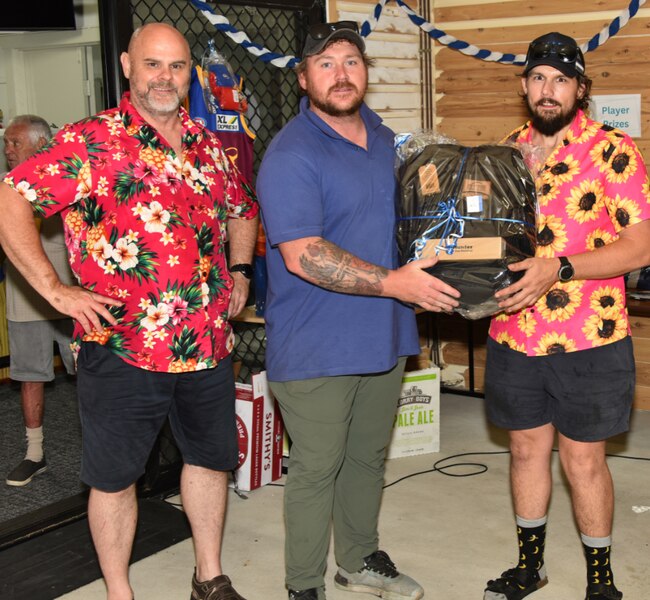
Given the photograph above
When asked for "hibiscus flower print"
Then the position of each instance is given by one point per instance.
(155, 217)
(125, 254)
(157, 316)
(27, 192)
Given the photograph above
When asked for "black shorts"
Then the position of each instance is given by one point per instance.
(123, 408)
(586, 395)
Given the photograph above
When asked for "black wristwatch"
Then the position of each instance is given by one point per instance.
(566, 271)
(244, 268)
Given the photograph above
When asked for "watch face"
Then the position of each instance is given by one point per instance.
(566, 272)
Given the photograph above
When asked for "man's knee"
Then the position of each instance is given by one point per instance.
(531, 446)
(583, 460)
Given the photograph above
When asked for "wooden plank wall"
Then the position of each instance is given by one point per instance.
(394, 81)
(477, 102)
(641, 336)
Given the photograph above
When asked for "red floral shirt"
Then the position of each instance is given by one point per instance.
(146, 227)
(591, 187)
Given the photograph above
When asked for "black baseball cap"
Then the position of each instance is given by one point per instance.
(556, 50)
(320, 34)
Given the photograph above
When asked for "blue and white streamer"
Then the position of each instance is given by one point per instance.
(613, 28)
(371, 22)
(516, 59)
(222, 24)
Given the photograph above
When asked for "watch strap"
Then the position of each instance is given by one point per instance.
(566, 271)
(246, 269)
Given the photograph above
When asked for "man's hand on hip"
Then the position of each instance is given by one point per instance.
(84, 306)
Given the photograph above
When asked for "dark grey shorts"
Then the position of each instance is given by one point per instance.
(586, 395)
(123, 408)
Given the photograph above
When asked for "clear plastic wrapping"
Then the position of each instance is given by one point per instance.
(221, 87)
(472, 207)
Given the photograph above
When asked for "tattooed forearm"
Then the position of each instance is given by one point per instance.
(332, 268)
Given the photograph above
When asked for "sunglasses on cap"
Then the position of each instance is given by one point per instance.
(319, 31)
(566, 53)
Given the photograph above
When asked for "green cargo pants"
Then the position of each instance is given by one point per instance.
(339, 429)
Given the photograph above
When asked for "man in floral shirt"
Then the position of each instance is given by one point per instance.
(560, 356)
(148, 199)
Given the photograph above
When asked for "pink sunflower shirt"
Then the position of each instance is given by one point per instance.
(591, 187)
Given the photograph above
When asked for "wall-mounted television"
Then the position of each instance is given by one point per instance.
(46, 15)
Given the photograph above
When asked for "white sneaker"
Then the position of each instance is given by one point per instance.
(380, 577)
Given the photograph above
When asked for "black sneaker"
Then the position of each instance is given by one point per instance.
(25, 472)
(219, 588)
(600, 591)
(310, 594)
(379, 576)
(515, 584)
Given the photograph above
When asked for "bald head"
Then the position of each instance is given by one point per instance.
(157, 65)
(141, 35)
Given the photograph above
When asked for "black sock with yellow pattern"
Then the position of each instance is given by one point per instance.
(599, 569)
(532, 537)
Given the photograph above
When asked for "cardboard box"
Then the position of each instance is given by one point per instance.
(416, 429)
(260, 431)
(468, 248)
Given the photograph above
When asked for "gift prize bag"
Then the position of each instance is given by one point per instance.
(472, 207)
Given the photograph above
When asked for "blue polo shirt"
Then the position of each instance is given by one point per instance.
(313, 182)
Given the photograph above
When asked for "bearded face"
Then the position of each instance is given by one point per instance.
(552, 98)
(336, 80)
(158, 67)
(549, 121)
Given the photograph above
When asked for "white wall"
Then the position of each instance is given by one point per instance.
(41, 72)
(14, 79)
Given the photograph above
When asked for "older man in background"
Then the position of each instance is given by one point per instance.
(34, 325)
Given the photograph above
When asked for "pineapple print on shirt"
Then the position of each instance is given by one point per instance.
(146, 227)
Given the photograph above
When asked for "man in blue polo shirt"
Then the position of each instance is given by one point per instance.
(339, 324)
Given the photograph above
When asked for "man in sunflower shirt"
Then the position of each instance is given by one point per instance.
(148, 199)
(560, 355)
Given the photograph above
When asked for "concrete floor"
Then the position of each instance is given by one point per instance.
(450, 533)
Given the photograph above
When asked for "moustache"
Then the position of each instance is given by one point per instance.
(161, 86)
(343, 86)
(547, 102)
